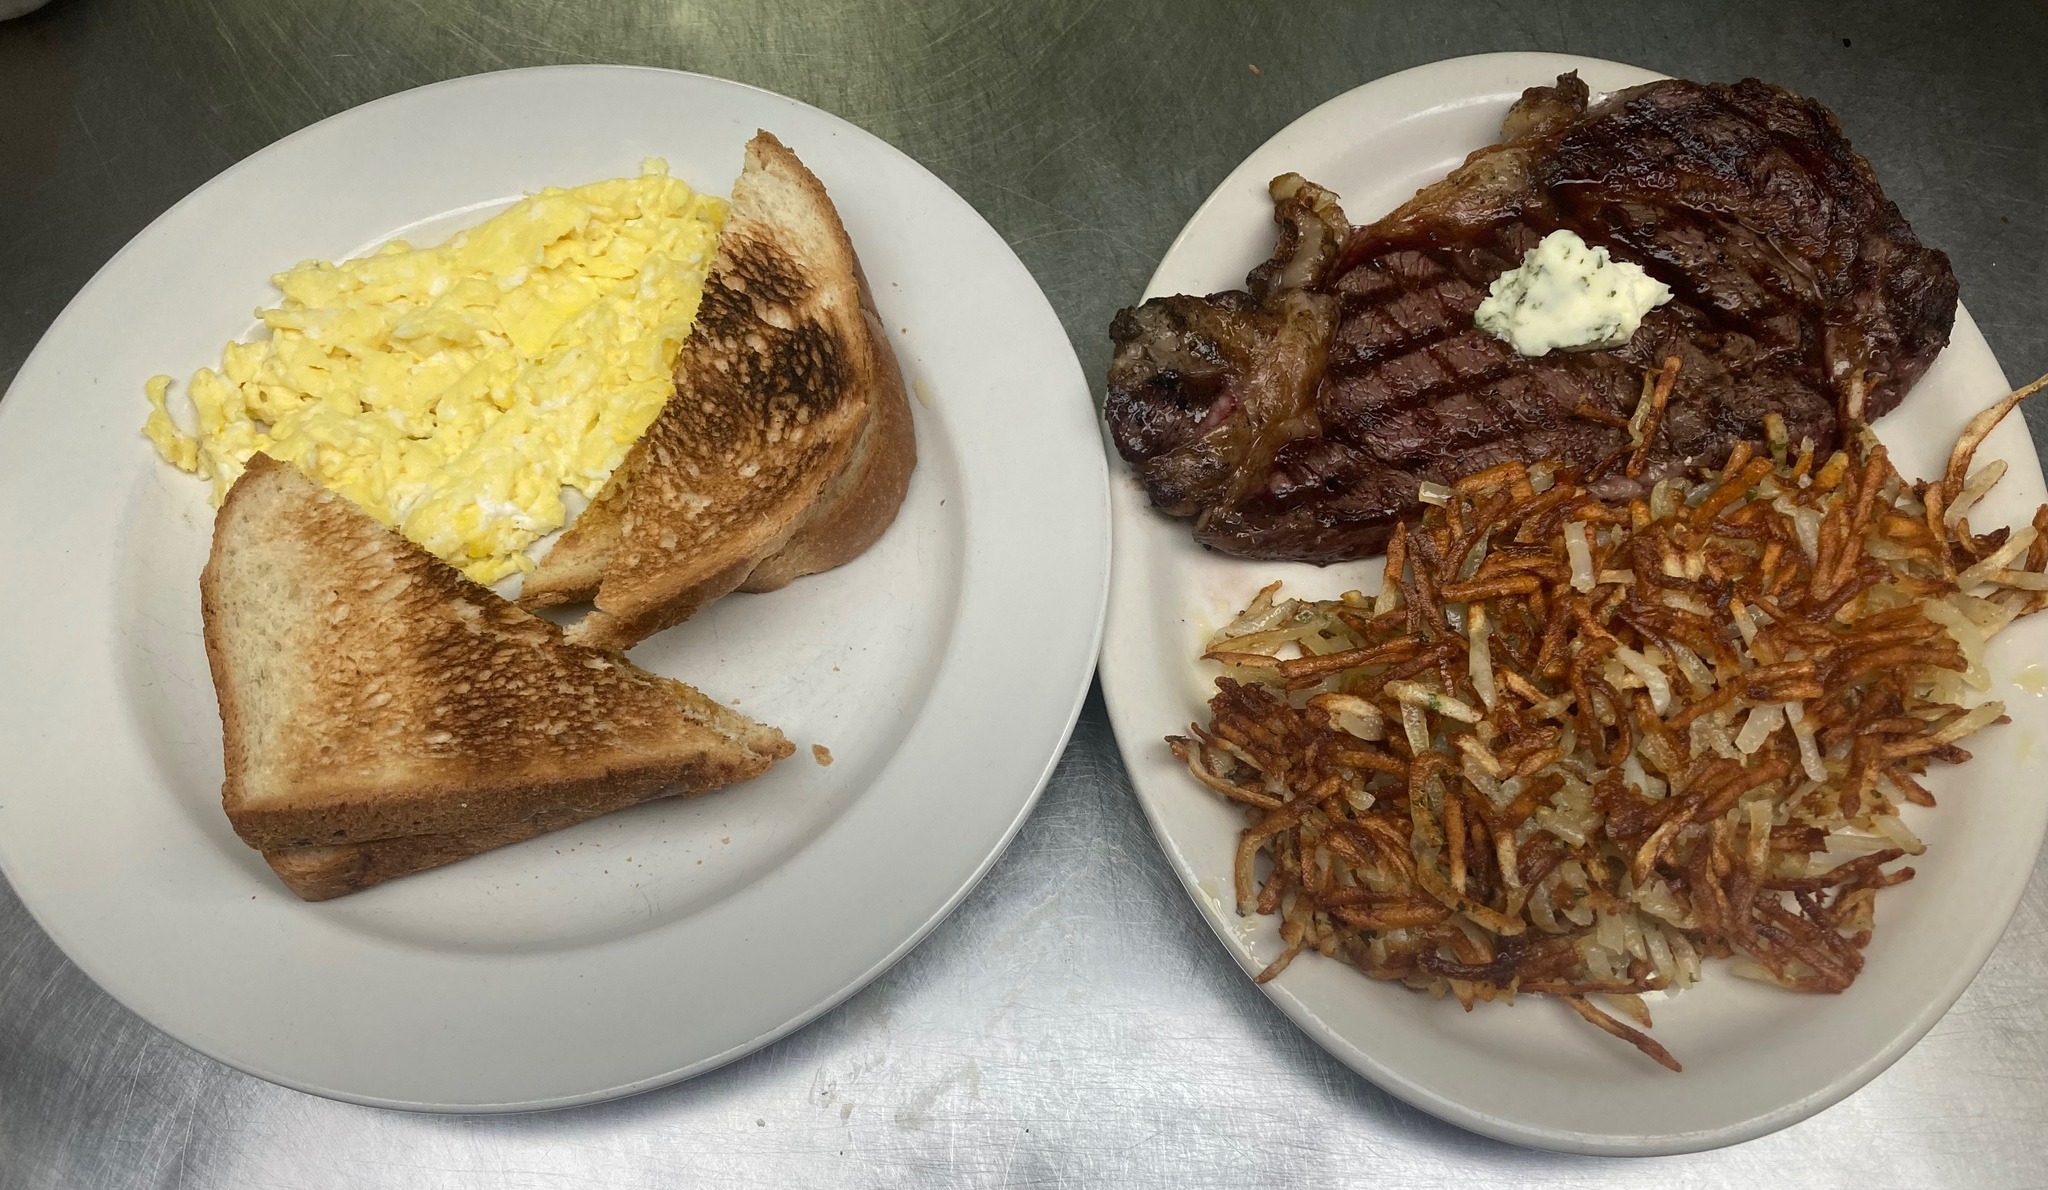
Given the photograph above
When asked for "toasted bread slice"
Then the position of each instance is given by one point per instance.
(787, 446)
(368, 691)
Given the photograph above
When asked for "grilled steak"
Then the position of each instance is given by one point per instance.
(1297, 420)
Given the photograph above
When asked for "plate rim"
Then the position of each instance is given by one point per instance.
(1086, 462)
(1130, 737)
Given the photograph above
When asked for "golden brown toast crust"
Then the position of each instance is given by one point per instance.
(320, 873)
(368, 691)
(768, 439)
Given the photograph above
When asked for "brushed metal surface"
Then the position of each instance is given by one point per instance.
(1073, 1023)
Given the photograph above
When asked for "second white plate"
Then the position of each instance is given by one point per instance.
(1756, 1058)
(943, 669)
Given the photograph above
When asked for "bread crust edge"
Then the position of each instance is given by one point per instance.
(321, 873)
(452, 808)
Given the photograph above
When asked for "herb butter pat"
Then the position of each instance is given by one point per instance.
(1568, 294)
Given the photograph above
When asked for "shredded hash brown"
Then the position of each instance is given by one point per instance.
(1577, 745)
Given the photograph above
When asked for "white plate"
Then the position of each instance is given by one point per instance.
(1756, 1058)
(944, 668)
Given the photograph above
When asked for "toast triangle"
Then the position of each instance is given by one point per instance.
(787, 446)
(370, 692)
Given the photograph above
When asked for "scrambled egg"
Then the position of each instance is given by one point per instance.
(456, 392)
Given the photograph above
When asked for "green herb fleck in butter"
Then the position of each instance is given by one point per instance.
(1568, 294)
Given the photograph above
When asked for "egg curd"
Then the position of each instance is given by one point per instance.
(456, 392)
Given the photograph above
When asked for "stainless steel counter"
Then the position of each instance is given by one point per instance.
(1073, 1023)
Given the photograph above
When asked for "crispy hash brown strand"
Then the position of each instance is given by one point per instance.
(1575, 746)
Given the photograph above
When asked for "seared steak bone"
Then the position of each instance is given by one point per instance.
(1297, 420)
